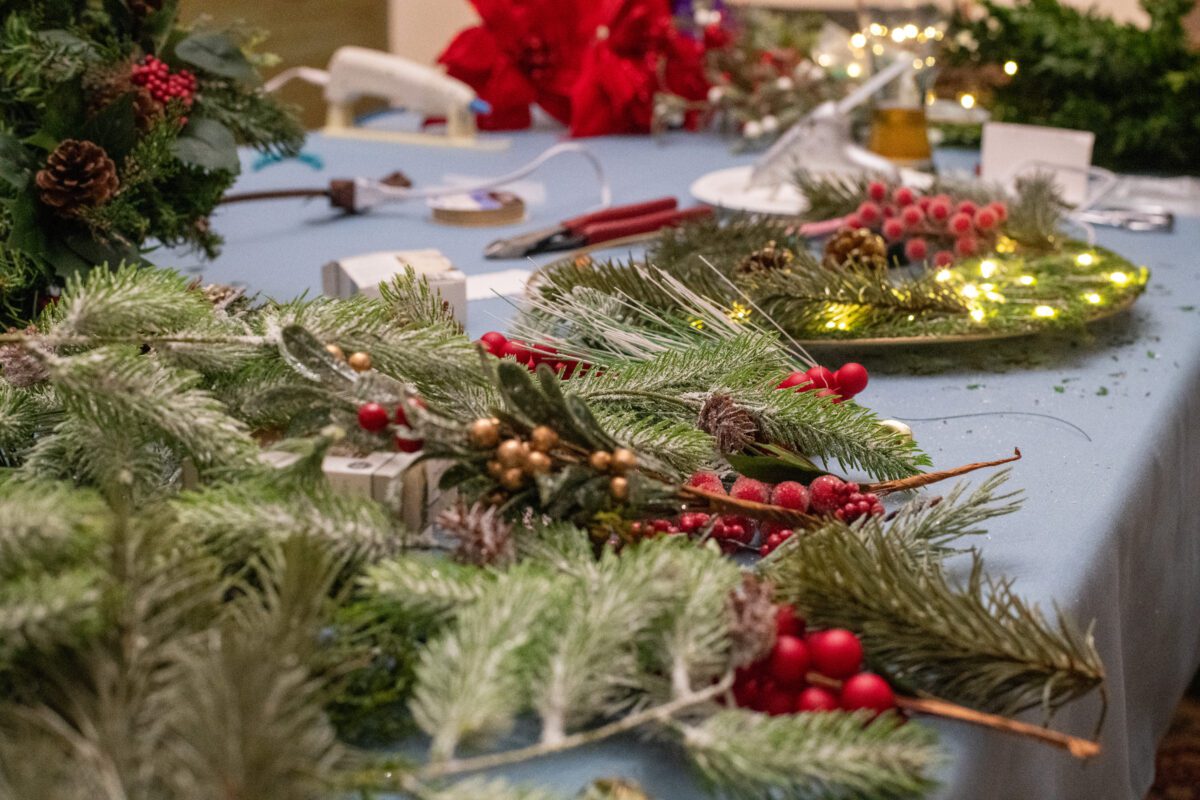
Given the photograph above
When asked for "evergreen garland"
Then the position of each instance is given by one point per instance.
(168, 617)
(1135, 88)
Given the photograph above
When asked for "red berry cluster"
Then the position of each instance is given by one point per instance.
(847, 381)
(833, 496)
(827, 495)
(779, 683)
(531, 355)
(374, 418)
(936, 227)
(164, 85)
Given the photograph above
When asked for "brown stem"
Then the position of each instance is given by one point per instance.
(926, 478)
(935, 707)
(273, 194)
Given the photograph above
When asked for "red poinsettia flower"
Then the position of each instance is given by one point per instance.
(522, 52)
(635, 52)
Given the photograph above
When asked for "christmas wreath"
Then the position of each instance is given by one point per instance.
(120, 130)
(955, 261)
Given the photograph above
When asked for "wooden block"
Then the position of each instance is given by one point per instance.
(362, 275)
(354, 475)
(439, 499)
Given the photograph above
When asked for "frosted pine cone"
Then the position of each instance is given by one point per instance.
(752, 620)
(731, 425)
(483, 537)
(20, 367)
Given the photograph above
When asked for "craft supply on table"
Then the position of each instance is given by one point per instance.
(617, 222)
(481, 208)
(363, 274)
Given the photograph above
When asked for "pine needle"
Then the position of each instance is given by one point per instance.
(746, 756)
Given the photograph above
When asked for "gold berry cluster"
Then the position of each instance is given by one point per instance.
(514, 460)
(359, 362)
(618, 462)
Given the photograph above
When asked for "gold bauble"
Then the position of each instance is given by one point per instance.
(619, 487)
(543, 438)
(600, 460)
(484, 433)
(512, 478)
(359, 362)
(623, 460)
(335, 351)
(495, 469)
(537, 463)
(897, 427)
(509, 453)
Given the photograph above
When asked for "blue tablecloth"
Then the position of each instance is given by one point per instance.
(1111, 526)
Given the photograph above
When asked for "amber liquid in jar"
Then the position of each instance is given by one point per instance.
(899, 133)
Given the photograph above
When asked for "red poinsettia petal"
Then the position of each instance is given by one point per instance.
(613, 94)
(471, 56)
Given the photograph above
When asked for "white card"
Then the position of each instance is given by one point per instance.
(505, 282)
(1011, 150)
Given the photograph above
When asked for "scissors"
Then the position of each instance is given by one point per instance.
(601, 226)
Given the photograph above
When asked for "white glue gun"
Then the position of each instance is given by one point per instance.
(357, 72)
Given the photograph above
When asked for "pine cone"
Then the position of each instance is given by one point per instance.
(771, 257)
(21, 367)
(752, 620)
(483, 537)
(731, 425)
(146, 110)
(852, 248)
(78, 174)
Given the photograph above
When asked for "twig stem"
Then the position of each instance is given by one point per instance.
(659, 713)
(926, 478)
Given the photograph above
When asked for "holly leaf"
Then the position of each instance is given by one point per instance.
(15, 165)
(26, 233)
(779, 465)
(207, 144)
(65, 116)
(305, 354)
(216, 53)
(114, 128)
(521, 397)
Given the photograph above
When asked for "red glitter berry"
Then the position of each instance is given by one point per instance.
(939, 209)
(960, 223)
(707, 482)
(877, 191)
(916, 249)
(985, 219)
(853, 221)
(788, 662)
(869, 213)
(816, 698)
(851, 378)
(825, 494)
(966, 246)
(795, 379)
(819, 378)
(967, 207)
(372, 417)
(912, 215)
(893, 229)
(904, 196)
(409, 445)
(787, 623)
(493, 342)
(791, 495)
(867, 690)
(835, 653)
(776, 700)
(749, 489)
(999, 209)
(943, 258)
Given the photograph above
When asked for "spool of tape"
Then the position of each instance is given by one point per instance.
(483, 208)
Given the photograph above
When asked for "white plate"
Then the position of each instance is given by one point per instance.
(730, 189)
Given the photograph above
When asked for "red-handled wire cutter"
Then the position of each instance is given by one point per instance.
(602, 226)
